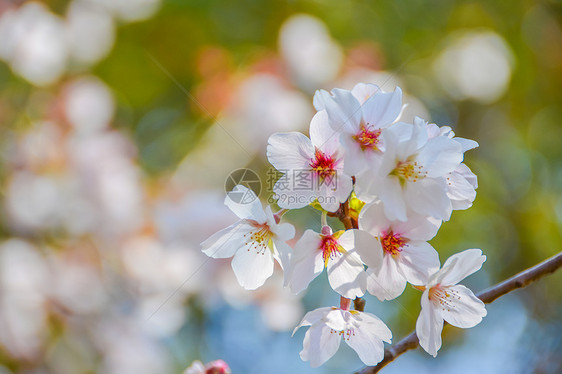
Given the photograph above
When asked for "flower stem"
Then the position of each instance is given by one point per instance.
(344, 303)
(279, 214)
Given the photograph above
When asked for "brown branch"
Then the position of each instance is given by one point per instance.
(359, 304)
(490, 294)
(343, 215)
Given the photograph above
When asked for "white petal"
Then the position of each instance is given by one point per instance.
(196, 367)
(345, 185)
(428, 196)
(331, 195)
(342, 107)
(288, 151)
(346, 272)
(270, 218)
(465, 171)
(440, 156)
(417, 261)
(338, 319)
(382, 109)
(370, 182)
(282, 253)
(365, 187)
(369, 347)
(429, 326)
(411, 145)
(226, 242)
(346, 239)
(329, 203)
(373, 219)
(313, 317)
(363, 91)
(461, 186)
(466, 144)
(461, 265)
(460, 191)
(235, 201)
(356, 160)
(375, 325)
(318, 101)
(369, 249)
(346, 275)
(390, 140)
(402, 132)
(392, 198)
(462, 309)
(417, 227)
(252, 268)
(446, 131)
(307, 261)
(388, 283)
(321, 134)
(320, 344)
(433, 130)
(367, 338)
(283, 231)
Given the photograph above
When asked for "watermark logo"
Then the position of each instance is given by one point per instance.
(301, 180)
(296, 187)
(247, 178)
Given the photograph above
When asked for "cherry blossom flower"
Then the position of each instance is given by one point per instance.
(461, 183)
(413, 173)
(461, 187)
(364, 332)
(313, 168)
(407, 257)
(253, 242)
(334, 251)
(444, 299)
(213, 367)
(359, 116)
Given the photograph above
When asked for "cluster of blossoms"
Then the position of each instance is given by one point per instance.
(392, 184)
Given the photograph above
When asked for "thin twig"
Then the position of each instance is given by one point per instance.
(519, 280)
(359, 304)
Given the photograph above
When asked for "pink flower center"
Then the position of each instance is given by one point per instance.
(329, 247)
(393, 243)
(259, 238)
(367, 139)
(322, 164)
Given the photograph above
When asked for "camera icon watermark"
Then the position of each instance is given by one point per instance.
(247, 178)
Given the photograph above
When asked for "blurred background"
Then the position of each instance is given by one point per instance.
(120, 121)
